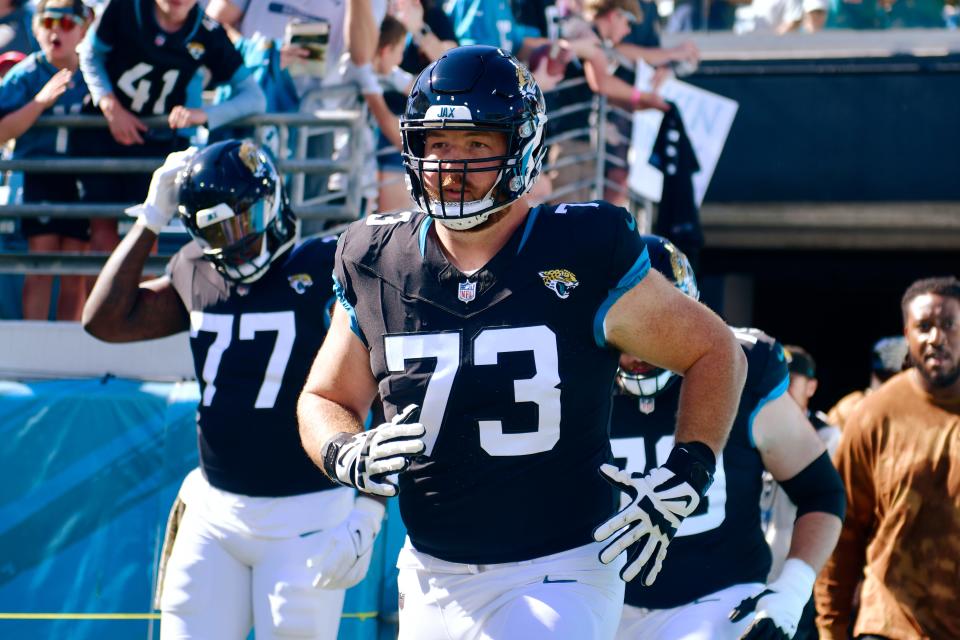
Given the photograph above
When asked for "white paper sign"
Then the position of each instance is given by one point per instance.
(707, 118)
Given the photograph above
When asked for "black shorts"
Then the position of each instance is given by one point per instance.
(120, 188)
(53, 188)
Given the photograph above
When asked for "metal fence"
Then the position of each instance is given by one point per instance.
(290, 132)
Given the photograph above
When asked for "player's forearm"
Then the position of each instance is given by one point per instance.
(815, 535)
(320, 420)
(117, 288)
(16, 123)
(710, 394)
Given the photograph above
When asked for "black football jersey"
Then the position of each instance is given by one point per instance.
(510, 368)
(721, 543)
(150, 68)
(253, 346)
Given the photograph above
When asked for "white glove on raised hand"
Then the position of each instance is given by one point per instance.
(365, 460)
(343, 554)
(659, 501)
(160, 205)
(779, 605)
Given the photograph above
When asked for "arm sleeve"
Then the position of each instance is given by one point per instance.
(93, 55)
(839, 578)
(246, 98)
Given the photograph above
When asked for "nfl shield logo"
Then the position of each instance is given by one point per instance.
(467, 291)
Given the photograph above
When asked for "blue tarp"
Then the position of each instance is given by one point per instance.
(88, 471)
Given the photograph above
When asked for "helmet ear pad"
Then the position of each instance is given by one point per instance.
(475, 88)
(232, 202)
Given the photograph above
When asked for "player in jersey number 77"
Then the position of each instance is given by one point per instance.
(500, 324)
(264, 540)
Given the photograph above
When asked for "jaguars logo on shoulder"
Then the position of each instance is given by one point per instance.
(560, 281)
(300, 282)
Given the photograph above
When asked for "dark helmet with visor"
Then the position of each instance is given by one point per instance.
(646, 381)
(475, 88)
(232, 202)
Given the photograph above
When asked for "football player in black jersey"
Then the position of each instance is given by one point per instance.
(262, 528)
(490, 330)
(713, 584)
(138, 61)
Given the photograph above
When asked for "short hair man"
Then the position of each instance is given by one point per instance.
(257, 511)
(899, 459)
(503, 323)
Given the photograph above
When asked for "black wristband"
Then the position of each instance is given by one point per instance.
(695, 463)
(331, 451)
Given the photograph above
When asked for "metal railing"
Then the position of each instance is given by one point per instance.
(290, 132)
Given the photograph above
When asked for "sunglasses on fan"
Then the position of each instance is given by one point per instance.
(65, 22)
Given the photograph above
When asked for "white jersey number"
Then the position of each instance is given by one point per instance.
(137, 87)
(221, 325)
(487, 347)
(636, 461)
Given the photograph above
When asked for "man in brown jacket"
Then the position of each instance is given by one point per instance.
(899, 458)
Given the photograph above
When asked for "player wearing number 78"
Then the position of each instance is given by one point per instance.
(500, 325)
(264, 539)
(713, 584)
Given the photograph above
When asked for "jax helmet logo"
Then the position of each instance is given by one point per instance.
(560, 281)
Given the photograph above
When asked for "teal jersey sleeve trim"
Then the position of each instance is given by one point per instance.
(342, 299)
(424, 228)
(778, 391)
(636, 273)
(531, 219)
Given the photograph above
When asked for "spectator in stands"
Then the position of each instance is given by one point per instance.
(16, 33)
(886, 14)
(888, 357)
(642, 44)
(138, 61)
(591, 37)
(785, 16)
(352, 26)
(383, 128)
(392, 188)
(46, 82)
(429, 34)
(259, 538)
(493, 23)
(899, 459)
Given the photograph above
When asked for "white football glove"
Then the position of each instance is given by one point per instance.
(779, 605)
(343, 553)
(160, 205)
(659, 501)
(367, 460)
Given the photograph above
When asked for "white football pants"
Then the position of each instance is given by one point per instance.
(240, 562)
(706, 618)
(564, 596)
